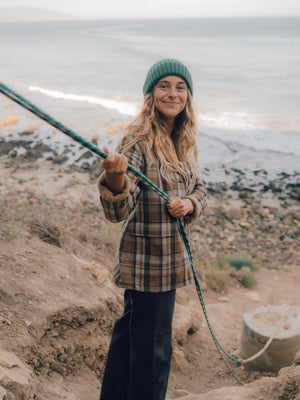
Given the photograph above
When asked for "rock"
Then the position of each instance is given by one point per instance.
(238, 171)
(252, 296)
(85, 156)
(180, 393)
(223, 299)
(36, 152)
(97, 271)
(3, 392)
(187, 316)
(245, 224)
(59, 159)
(27, 132)
(15, 376)
(179, 360)
(11, 120)
(234, 213)
(293, 190)
(275, 187)
(245, 193)
(231, 238)
(4, 321)
(112, 130)
(297, 358)
(264, 213)
(86, 166)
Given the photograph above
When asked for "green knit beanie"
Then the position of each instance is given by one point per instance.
(167, 67)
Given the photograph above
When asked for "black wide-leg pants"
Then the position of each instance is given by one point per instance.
(140, 352)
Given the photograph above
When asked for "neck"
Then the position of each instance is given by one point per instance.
(170, 124)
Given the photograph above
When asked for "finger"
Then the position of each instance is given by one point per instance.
(173, 202)
(108, 161)
(106, 149)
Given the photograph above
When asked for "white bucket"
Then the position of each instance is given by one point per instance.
(259, 326)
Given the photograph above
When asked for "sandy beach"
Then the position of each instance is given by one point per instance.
(57, 252)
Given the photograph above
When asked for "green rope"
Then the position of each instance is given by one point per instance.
(46, 117)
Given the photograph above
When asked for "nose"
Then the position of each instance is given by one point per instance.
(172, 91)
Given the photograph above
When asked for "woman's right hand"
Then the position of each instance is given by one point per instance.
(115, 166)
(114, 163)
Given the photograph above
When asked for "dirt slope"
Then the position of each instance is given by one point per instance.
(57, 304)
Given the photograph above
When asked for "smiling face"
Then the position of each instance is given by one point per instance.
(170, 96)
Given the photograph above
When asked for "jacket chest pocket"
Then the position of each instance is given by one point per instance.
(176, 188)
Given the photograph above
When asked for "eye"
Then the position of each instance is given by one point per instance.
(163, 86)
(181, 88)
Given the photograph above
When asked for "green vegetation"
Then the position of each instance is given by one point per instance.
(247, 278)
(238, 261)
(218, 274)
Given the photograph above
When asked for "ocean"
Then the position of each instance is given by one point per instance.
(89, 74)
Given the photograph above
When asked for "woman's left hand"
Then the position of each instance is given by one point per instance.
(180, 207)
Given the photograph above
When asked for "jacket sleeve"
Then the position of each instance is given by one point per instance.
(118, 207)
(198, 198)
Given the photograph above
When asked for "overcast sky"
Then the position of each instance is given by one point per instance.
(164, 8)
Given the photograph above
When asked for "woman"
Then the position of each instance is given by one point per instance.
(152, 261)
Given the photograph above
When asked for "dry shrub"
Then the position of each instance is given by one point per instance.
(110, 234)
(9, 220)
(246, 278)
(48, 228)
(242, 267)
(217, 279)
(8, 231)
(107, 234)
(217, 274)
(214, 277)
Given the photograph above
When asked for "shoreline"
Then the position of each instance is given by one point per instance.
(29, 146)
(261, 224)
(228, 169)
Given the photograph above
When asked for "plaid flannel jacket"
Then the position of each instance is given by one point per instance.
(152, 255)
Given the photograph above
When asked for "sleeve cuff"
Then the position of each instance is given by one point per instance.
(108, 195)
(189, 218)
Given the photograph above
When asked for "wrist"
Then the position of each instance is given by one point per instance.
(190, 206)
(115, 182)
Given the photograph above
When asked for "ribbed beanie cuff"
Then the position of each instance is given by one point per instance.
(167, 67)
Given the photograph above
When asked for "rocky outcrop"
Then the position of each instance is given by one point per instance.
(16, 379)
(284, 387)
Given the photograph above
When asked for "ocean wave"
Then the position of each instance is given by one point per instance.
(235, 128)
(247, 130)
(122, 107)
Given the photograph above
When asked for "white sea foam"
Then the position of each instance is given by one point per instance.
(122, 107)
(237, 127)
(250, 131)
(229, 120)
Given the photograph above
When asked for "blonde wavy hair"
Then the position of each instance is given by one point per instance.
(149, 128)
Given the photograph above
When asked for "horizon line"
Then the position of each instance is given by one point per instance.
(82, 18)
